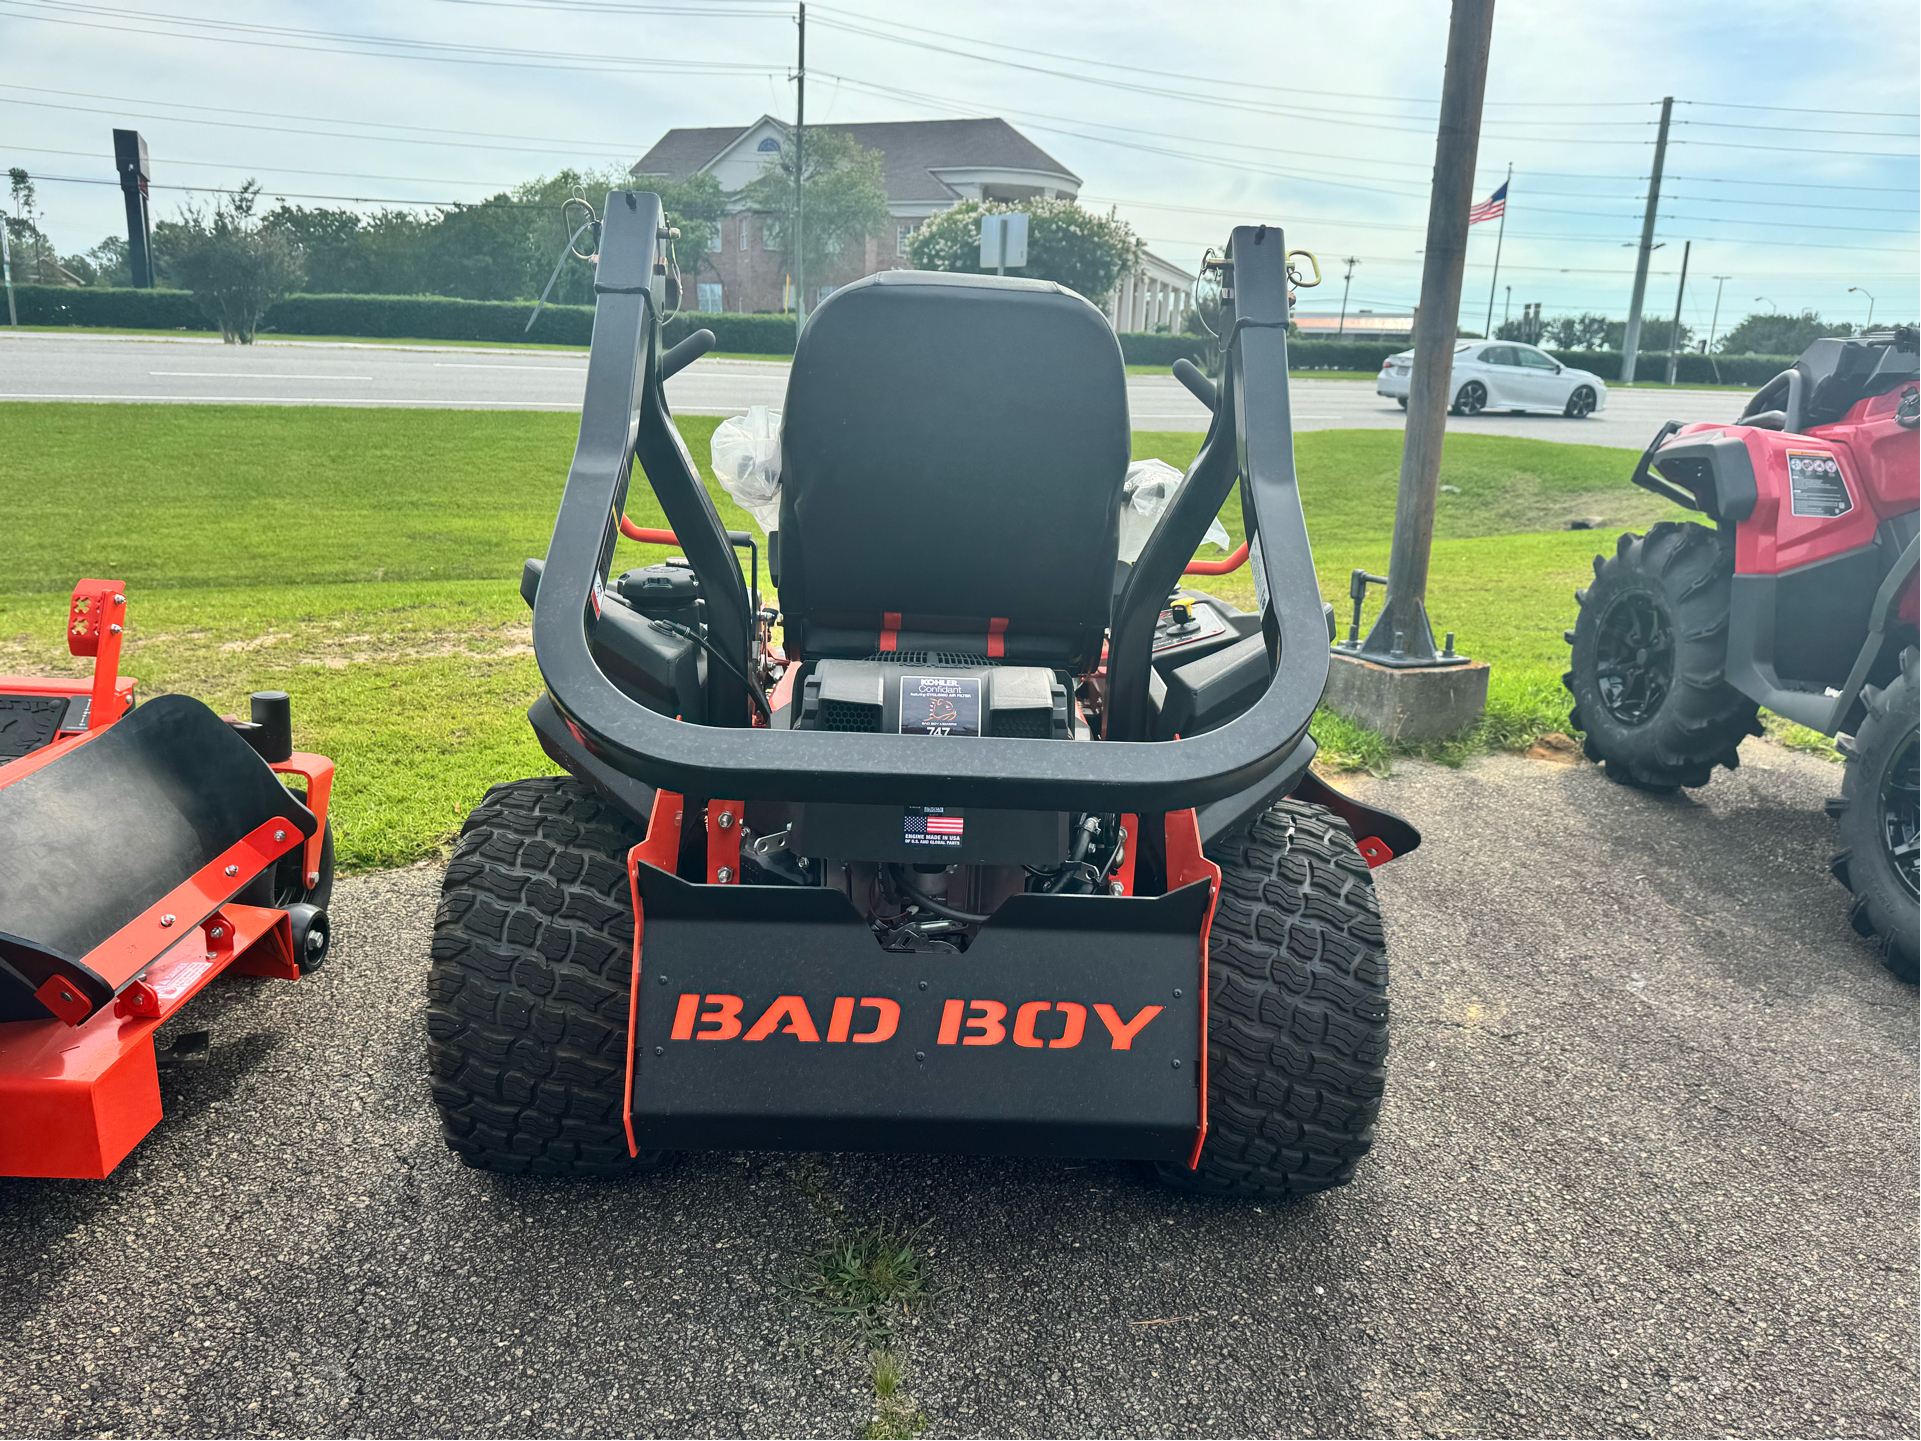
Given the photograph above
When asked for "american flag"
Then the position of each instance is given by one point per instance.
(915, 826)
(1492, 208)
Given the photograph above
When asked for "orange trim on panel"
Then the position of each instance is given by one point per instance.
(723, 842)
(661, 850)
(319, 772)
(121, 957)
(997, 637)
(889, 631)
(1186, 864)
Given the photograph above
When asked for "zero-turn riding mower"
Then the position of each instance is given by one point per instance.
(1001, 850)
(1801, 598)
(143, 852)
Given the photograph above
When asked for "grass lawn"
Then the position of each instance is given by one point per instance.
(367, 561)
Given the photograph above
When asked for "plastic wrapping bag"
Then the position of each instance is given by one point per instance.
(747, 463)
(1149, 491)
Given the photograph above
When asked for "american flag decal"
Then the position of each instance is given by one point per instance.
(931, 826)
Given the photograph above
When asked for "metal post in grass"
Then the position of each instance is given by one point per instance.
(6, 268)
(1398, 682)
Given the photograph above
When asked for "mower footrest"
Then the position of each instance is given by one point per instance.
(77, 1099)
(769, 1018)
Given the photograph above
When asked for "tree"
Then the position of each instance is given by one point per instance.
(1775, 333)
(1070, 246)
(843, 199)
(34, 260)
(106, 265)
(1578, 332)
(235, 266)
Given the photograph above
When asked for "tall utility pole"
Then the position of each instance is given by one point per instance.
(1674, 334)
(1507, 304)
(1346, 281)
(1401, 635)
(1631, 342)
(800, 193)
(1506, 194)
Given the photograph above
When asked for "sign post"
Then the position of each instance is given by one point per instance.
(130, 159)
(1004, 241)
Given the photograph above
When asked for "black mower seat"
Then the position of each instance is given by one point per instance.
(952, 453)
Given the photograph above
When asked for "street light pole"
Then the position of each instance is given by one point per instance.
(1719, 281)
(1870, 295)
(1674, 335)
(1346, 281)
(1401, 635)
(800, 193)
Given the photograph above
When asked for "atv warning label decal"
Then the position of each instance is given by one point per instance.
(1817, 486)
(940, 705)
(932, 826)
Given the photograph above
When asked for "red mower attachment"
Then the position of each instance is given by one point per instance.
(143, 852)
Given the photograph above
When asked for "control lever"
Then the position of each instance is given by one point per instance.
(1357, 585)
(1202, 389)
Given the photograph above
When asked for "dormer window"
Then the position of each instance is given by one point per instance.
(768, 145)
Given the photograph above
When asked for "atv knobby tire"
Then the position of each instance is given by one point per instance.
(1297, 1010)
(527, 994)
(1877, 816)
(1650, 657)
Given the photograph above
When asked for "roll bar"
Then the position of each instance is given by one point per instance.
(624, 418)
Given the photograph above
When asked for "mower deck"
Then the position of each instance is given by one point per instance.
(79, 1098)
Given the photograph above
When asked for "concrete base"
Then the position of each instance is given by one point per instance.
(1403, 704)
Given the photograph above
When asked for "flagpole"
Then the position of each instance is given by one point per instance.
(1488, 329)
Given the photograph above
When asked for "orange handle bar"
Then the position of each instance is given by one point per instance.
(1218, 567)
(645, 536)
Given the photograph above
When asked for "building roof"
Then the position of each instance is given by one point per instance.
(682, 152)
(911, 151)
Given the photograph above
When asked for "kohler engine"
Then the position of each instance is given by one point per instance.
(926, 876)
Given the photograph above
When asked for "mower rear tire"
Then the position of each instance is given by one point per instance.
(527, 994)
(1879, 821)
(1297, 1010)
(1650, 656)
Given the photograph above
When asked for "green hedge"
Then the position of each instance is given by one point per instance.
(385, 317)
(1140, 348)
(1694, 369)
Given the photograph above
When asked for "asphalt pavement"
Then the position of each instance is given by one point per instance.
(40, 366)
(1647, 1167)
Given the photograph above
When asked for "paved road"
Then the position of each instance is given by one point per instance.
(61, 367)
(1647, 1167)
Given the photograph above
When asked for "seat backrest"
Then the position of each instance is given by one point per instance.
(952, 454)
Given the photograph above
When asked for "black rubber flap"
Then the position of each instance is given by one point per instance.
(94, 838)
(798, 955)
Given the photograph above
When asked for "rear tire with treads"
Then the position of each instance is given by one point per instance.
(1877, 795)
(1666, 720)
(527, 994)
(1297, 1010)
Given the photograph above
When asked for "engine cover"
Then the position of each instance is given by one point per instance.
(915, 695)
(912, 695)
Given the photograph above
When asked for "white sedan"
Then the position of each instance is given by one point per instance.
(1503, 375)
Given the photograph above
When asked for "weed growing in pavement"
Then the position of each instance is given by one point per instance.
(873, 1280)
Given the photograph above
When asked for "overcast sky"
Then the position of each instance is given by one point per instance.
(1792, 165)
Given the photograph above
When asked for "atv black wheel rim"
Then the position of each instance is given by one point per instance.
(1901, 815)
(1633, 658)
(1473, 398)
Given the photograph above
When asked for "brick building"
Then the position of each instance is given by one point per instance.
(927, 166)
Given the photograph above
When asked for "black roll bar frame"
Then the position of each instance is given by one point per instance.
(625, 418)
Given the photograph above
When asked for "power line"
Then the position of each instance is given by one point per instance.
(283, 169)
(440, 51)
(291, 195)
(1800, 109)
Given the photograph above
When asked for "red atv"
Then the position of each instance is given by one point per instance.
(1801, 598)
